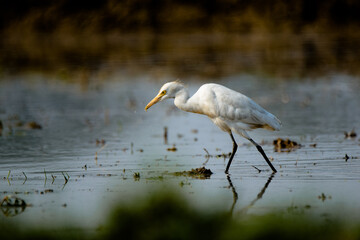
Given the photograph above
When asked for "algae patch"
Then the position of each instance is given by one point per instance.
(201, 173)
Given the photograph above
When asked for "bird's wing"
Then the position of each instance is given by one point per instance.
(236, 107)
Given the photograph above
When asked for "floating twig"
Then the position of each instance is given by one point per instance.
(207, 153)
(207, 156)
(102, 148)
(7, 178)
(25, 176)
(172, 149)
(66, 179)
(45, 177)
(347, 157)
(165, 135)
(257, 169)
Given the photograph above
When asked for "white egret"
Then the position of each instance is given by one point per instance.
(231, 111)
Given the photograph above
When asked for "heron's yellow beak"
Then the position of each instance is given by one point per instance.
(155, 100)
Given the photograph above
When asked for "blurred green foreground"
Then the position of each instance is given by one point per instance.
(168, 216)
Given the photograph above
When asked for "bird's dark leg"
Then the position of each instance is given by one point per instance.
(232, 154)
(259, 148)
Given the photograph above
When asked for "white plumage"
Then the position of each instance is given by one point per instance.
(231, 111)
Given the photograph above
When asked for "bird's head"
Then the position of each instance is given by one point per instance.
(168, 90)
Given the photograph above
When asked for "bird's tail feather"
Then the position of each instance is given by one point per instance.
(274, 124)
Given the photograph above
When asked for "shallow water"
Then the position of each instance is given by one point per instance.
(312, 113)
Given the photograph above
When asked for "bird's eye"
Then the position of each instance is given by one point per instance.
(163, 92)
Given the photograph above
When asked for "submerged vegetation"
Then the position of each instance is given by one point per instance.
(168, 216)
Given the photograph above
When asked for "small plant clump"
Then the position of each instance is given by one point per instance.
(285, 145)
(172, 149)
(12, 201)
(136, 176)
(351, 134)
(33, 125)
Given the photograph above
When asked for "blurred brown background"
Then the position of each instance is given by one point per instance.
(184, 38)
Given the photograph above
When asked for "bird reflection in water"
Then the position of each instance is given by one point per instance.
(252, 203)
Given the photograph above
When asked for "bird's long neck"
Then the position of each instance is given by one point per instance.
(183, 102)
